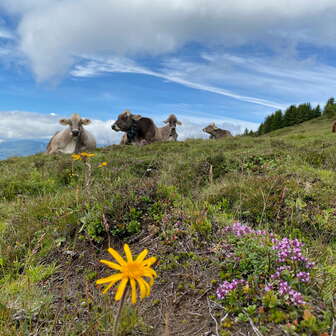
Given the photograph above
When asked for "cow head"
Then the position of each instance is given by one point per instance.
(210, 128)
(125, 121)
(172, 121)
(75, 123)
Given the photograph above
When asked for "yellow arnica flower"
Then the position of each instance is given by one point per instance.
(84, 154)
(103, 164)
(132, 272)
(76, 156)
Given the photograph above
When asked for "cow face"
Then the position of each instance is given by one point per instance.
(210, 128)
(172, 121)
(76, 124)
(125, 121)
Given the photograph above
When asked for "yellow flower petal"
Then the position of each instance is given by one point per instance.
(109, 286)
(151, 272)
(121, 289)
(111, 264)
(114, 277)
(134, 294)
(149, 262)
(76, 156)
(147, 287)
(142, 256)
(128, 253)
(143, 288)
(116, 256)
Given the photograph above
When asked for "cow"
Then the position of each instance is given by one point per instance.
(140, 130)
(334, 127)
(216, 132)
(73, 139)
(168, 132)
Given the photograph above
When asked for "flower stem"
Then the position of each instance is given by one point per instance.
(116, 320)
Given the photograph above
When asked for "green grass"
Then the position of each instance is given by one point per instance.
(57, 217)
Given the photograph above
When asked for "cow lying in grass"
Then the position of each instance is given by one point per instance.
(141, 130)
(73, 139)
(216, 132)
(334, 127)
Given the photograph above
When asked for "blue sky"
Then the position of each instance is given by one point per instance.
(232, 62)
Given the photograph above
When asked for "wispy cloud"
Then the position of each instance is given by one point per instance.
(6, 34)
(292, 80)
(116, 64)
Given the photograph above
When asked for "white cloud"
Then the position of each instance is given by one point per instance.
(53, 33)
(100, 65)
(28, 125)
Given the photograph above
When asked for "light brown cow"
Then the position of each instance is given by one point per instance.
(216, 132)
(73, 139)
(168, 132)
(140, 130)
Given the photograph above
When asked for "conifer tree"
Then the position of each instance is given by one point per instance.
(330, 108)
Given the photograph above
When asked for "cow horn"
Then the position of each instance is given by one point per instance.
(136, 117)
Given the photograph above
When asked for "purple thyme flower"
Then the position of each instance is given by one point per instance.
(294, 296)
(289, 250)
(303, 276)
(226, 287)
(239, 230)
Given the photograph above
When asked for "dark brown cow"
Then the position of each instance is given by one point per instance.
(334, 127)
(216, 132)
(141, 130)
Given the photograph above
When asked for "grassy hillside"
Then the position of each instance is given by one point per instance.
(179, 200)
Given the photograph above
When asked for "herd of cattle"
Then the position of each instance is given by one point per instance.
(138, 130)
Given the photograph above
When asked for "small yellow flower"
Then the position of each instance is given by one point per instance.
(131, 271)
(84, 154)
(103, 164)
(76, 157)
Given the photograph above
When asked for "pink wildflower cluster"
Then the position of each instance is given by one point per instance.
(239, 230)
(288, 249)
(294, 296)
(303, 276)
(226, 287)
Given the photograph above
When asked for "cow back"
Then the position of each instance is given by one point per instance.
(145, 129)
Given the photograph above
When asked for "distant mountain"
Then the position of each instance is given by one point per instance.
(22, 147)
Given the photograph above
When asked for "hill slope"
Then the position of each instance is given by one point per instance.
(179, 200)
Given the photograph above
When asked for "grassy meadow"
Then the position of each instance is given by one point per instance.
(179, 200)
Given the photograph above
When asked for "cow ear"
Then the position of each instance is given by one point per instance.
(127, 113)
(166, 121)
(64, 121)
(136, 117)
(178, 122)
(85, 121)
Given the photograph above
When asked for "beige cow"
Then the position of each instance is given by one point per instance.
(73, 139)
(168, 132)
